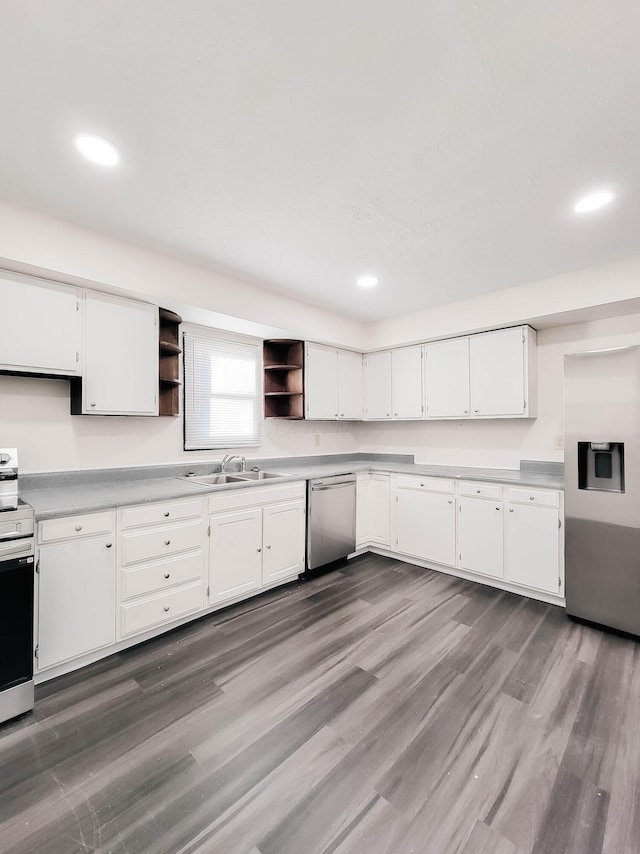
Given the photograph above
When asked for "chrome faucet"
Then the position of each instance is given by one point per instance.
(227, 459)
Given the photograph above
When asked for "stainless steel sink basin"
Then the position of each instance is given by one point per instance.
(259, 475)
(215, 479)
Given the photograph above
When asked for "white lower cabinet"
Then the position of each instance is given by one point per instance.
(363, 509)
(426, 519)
(480, 535)
(76, 588)
(257, 539)
(380, 509)
(162, 564)
(533, 543)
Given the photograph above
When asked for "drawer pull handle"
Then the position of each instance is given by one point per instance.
(478, 491)
(167, 575)
(78, 527)
(167, 542)
(532, 498)
(422, 484)
(166, 608)
(109, 545)
(167, 513)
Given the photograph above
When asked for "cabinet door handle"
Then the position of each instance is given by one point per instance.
(167, 513)
(466, 412)
(109, 545)
(166, 608)
(476, 410)
(388, 415)
(258, 550)
(510, 509)
(92, 403)
(497, 508)
(167, 542)
(450, 501)
(268, 547)
(395, 414)
(167, 575)
(342, 415)
(78, 527)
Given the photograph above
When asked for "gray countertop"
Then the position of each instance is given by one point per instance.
(53, 496)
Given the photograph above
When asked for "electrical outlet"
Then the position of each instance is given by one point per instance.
(558, 443)
(316, 440)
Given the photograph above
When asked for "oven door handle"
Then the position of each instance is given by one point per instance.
(14, 535)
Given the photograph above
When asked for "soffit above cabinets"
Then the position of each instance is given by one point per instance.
(439, 146)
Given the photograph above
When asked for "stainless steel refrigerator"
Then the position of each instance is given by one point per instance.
(602, 487)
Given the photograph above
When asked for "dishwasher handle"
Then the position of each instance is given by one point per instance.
(339, 485)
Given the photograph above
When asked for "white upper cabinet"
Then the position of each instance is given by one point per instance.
(349, 385)
(321, 382)
(333, 383)
(406, 382)
(120, 373)
(502, 374)
(377, 385)
(43, 331)
(446, 369)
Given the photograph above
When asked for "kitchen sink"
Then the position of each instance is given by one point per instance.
(215, 479)
(259, 475)
(236, 477)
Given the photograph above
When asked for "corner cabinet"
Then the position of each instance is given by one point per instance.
(283, 364)
(120, 358)
(502, 373)
(43, 329)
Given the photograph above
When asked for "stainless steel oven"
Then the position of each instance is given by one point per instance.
(17, 547)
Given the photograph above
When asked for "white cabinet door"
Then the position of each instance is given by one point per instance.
(42, 328)
(380, 509)
(377, 385)
(426, 525)
(497, 361)
(321, 382)
(532, 550)
(283, 540)
(446, 369)
(235, 555)
(76, 599)
(363, 509)
(350, 385)
(406, 382)
(120, 375)
(480, 536)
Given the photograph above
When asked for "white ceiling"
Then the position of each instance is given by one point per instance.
(440, 145)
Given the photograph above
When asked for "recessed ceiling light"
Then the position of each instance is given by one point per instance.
(594, 201)
(367, 281)
(97, 149)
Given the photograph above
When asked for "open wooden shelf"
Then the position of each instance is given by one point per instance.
(169, 362)
(283, 361)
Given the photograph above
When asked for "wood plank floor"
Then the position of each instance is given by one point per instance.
(379, 708)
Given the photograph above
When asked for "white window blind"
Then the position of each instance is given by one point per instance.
(222, 393)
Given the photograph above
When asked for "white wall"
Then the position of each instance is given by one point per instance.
(505, 443)
(602, 290)
(34, 417)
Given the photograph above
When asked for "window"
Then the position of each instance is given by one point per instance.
(222, 392)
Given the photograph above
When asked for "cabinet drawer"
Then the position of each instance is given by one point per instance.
(238, 499)
(431, 484)
(480, 490)
(159, 542)
(533, 496)
(153, 577)
(162, 608)
(151, 514)
(76, 527)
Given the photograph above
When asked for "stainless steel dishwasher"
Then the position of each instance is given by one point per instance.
(331, 519)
